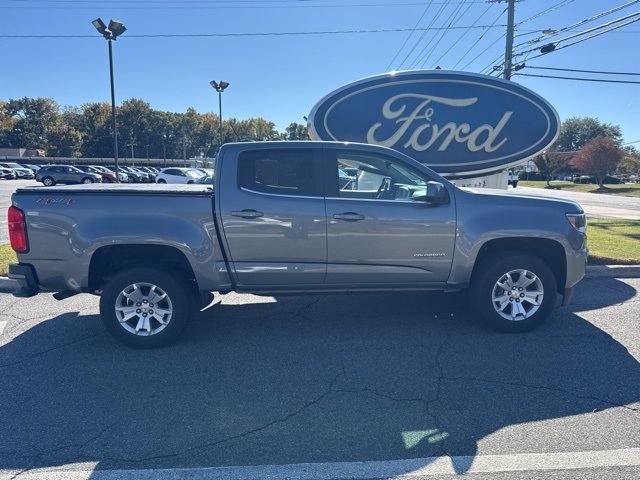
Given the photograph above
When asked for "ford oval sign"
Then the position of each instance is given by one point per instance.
(457, 123)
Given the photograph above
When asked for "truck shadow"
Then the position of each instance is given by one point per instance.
(310, 379)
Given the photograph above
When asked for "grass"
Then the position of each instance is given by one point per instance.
(7, 256)
(614, 241)
(626, 190)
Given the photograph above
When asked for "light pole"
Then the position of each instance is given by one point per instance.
(115, 29)
(219, 87)
(164, 147)
(131, 145)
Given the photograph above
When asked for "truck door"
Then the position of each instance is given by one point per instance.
(273, 216)
(379, 230)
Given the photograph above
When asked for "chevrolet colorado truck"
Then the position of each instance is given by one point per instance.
(294, 217)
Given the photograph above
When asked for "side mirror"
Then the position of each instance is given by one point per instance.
(436, 193)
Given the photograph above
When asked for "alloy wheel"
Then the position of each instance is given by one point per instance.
(143, 309)
(517, 295)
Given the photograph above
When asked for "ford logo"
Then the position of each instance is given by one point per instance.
(457, 123)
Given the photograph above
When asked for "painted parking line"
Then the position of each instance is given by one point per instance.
(399, 469)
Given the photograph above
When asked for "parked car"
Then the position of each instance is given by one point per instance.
(178, 175)
(205, 180)
(147, 177)
(277, 226)
(150, 172)
(7, 173)
(584, 179)
(124, 178)
(54, 174)
(107, 177)
(33, 167)
(134, 175)
(21, 172)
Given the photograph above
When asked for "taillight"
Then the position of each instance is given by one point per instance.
(18, 230)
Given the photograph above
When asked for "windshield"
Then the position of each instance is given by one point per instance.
(13, 165)
(195, 173)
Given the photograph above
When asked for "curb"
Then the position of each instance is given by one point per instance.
(613, 271)
(8, 285)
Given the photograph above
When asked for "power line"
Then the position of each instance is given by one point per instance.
(603, 80)
(556, 6)
(249, 34)
(582, 71)
(580, 23)
(176, 5)
(406, 40)
(453, 18)
(477, 42)
(593, 29)
(597, 34)
(464, 33)
(550, 9)
(417, 42)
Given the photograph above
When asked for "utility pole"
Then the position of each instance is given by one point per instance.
(508, 50)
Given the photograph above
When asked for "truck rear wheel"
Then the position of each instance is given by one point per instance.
(514, 292)
(145, 307)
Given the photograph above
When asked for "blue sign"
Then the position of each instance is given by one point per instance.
(457, 123)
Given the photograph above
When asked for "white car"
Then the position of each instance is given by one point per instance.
(21, 172)
(178, 175)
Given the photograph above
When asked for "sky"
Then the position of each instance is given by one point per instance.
(282, 77)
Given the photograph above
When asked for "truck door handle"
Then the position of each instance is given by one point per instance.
(247, 213)
(349, 216)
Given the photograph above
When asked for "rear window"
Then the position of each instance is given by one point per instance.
(284, 172)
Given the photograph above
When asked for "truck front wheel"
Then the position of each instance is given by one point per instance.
(145, 307)
(514, 292)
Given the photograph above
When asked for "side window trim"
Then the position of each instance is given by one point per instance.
(331, 188)
(317, 167)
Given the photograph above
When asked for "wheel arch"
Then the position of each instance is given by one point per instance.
(108, 260)
(549, 251)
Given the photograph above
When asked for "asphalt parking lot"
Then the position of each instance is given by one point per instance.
(322, 387)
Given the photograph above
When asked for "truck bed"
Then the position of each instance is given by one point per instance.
(121, 188)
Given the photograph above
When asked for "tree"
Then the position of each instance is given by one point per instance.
(93, 121)
(296, 131)
(599, 157)
(30, 118)
(630, 164)
(550, 163)
(575, 132)
(63, 141)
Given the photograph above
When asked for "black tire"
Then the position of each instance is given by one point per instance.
(172, 283)
(162, 180)
(491, 269)
(48, 181)
(87, 180)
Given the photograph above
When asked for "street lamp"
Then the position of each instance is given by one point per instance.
(165, 137)
(110, 33)
(219, 87)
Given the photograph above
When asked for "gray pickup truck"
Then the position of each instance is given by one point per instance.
(295, 217)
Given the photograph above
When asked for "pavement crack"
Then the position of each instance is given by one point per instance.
(24, 470)
(207, 445)
(48, 350)
(542, 387)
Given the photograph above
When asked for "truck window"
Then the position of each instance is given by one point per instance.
(376, 177)
(283, 172)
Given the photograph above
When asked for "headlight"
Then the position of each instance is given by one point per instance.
(578, 221)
